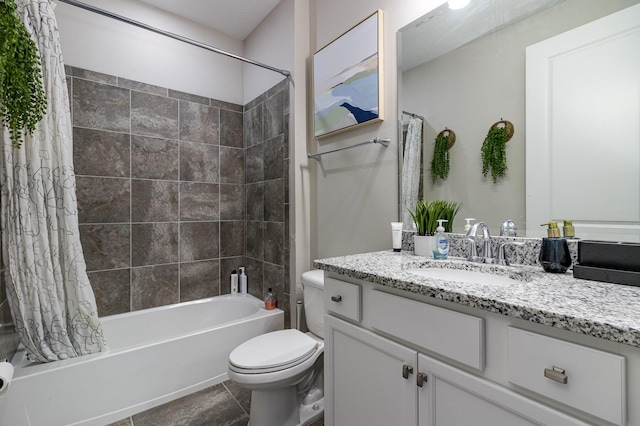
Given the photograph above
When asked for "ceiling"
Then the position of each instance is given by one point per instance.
(237, 18)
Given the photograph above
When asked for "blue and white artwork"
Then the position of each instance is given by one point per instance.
(346, 79)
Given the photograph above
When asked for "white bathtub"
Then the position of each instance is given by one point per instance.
(156, 355)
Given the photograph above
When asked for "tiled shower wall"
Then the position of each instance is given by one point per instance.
(161, 189)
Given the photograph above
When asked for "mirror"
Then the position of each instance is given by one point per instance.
(464, 70)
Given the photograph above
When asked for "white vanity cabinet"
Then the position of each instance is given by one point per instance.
(404, 362)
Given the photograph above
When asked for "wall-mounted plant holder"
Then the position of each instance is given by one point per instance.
(493, 151)
(440, 163)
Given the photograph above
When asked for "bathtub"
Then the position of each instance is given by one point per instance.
(156, 355)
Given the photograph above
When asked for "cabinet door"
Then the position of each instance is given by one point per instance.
(364, 380)
(452, 397)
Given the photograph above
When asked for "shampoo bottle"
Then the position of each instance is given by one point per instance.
(441, 246)
(234, 282)
(243, 281)
(270, 301)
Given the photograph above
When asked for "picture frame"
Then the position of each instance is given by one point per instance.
(348, 79)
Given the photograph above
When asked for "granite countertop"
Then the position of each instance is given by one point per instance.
(607, 311)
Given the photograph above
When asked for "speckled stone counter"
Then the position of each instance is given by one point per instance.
(607, 311)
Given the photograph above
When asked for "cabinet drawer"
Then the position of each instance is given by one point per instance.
(595, 380)
(343, 298)
(452, 334)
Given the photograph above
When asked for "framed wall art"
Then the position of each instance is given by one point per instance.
(347, 79)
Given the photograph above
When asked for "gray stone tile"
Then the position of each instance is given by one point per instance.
(105, 246)
(273, 111)
(199, 123)
(255, 239)
(252, 126)
(231, 202)
(274, 243)
(100, 153)
(154, 243)
(112, 291)
(103, 200)
(154, 158)
(285, 176)
(188, 97)
(153, 115)
(199, 162)
(154, 201)
(254, 276)
(285, 134)
(226, 105)
(100, 106)
(274, 158)
(256, 101)
(231, 128)
(199, 280)
(254, 162)
(142, 87)
(199, 241)
(242, 395)
(255, 201)
(94, 76)
(231, 165)
(274, 200)
(199, 201)
(213, 406)
(153, 286)
(124, 422)
(232, 238)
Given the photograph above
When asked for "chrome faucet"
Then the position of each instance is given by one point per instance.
(487, 256)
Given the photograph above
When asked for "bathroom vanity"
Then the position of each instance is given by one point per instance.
(405, 348)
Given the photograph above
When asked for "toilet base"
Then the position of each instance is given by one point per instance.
(281, 408)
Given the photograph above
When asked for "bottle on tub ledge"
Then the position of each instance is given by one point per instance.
(270, 300)
(234, 282)
(243, 281)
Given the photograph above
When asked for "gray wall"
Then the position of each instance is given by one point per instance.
(161, 181)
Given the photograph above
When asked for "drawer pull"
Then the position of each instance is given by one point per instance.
(421, 379)
(336, 299)
(406, 370)
(557, 374)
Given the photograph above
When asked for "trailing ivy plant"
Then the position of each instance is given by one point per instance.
(494, 153)
(22, 99)
(440, 161)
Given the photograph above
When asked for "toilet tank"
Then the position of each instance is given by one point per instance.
(313, 290)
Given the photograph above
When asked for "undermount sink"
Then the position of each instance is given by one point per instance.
(463, 275)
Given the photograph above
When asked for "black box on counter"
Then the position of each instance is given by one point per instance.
(608, 261)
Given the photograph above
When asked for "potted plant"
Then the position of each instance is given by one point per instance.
(440, 162)
(493, 151)
(425, 216)
(23, 102)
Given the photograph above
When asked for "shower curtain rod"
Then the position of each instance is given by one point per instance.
(171, 35)
(410, 114)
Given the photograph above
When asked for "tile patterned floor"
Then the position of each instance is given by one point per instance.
(222, 405)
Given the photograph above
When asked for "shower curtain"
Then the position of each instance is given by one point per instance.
(52, 303)
(411, 170)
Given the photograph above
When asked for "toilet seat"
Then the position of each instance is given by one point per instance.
(270, 352)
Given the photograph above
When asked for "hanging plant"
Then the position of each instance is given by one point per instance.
(493, 151)
(22, 99)
(440, 162)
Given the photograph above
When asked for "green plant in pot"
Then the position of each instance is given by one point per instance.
(440, 163)
(23, 102)
(494, 152)
(425, 216)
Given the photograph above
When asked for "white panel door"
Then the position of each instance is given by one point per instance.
(364, 382)
(583, 128)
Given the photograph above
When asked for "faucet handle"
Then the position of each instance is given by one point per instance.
(473, 250)
(502, 257)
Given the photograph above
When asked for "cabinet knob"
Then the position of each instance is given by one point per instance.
(406, 370)
(421, 378)
(557, 374)
(336, 299)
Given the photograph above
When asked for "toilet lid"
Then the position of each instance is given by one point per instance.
(271, 350)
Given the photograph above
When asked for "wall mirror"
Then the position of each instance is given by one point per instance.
(465, 70)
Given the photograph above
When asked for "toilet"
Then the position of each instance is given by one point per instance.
(284, 369)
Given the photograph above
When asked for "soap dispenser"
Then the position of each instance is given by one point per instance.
(441, 246)
(554, 252)
(468, 224)
(243, 281)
